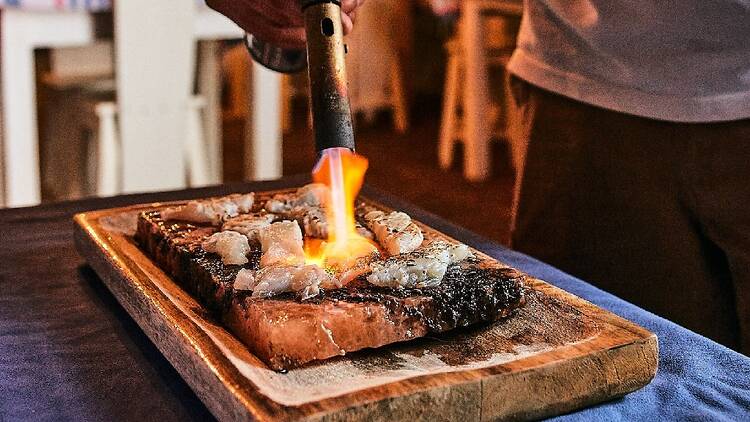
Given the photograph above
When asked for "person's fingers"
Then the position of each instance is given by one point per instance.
(350, 5)
(347, 23)
(348, 14)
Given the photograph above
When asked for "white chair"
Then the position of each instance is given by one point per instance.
(55, 23)
(82, 76)
(107, 152)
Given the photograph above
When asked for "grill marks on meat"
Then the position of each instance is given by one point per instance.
(286, 332)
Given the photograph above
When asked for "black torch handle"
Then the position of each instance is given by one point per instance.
(329, 99)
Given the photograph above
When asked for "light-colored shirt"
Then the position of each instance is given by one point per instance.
(676, 60)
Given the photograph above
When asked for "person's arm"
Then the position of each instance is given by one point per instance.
(278, 22)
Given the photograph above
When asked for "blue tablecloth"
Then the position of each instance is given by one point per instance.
(697, 379)
(68, 351)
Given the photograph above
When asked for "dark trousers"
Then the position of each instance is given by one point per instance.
(657, 213)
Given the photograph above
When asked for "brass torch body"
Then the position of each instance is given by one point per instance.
(332, 118)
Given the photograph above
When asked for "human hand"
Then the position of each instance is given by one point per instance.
(278, 22)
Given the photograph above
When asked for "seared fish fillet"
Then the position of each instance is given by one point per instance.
(395, 232)
(281, 244)
(313, 194)
(212, 211)
(306, 280)
(305, 206)
(424, 267)
(231, 246)
(249, 224)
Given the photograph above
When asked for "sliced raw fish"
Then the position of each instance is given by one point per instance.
(312, 219)
(281, 243)
(313, 194)
(269, 281)
(249, 224)
(231, 246)
(363, 231)
(395, 232)
(212, 211)
(306, 206)
(422, 268)
(244, 280)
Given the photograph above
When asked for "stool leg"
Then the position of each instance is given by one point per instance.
(209, 87)
(108, 154)
(450, 104)
(195, 146)
(400, 109)
(477, 132)
(286, 104)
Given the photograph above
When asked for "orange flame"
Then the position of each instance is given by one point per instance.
(343, 172)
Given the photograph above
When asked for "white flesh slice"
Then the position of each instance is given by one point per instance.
(395, 232)
(313, 194)
(422, 268)
(245, 280)
(281, 243)
(249, 224)
(308, 279)
(231, 246)
(212, 211)
(311, 218)
(305, 280)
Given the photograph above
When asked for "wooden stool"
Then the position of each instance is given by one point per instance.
(374, 62)
(499, 25)
(451, 125)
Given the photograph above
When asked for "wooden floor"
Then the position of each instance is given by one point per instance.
(406, 165)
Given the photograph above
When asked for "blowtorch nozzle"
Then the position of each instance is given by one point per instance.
(329, 100)
(332, 118)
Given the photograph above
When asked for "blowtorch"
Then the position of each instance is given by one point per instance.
(329, 100)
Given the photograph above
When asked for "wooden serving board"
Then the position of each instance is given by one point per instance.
(557, 354)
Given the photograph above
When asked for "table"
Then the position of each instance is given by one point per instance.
(68, 351)
(145, 134)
